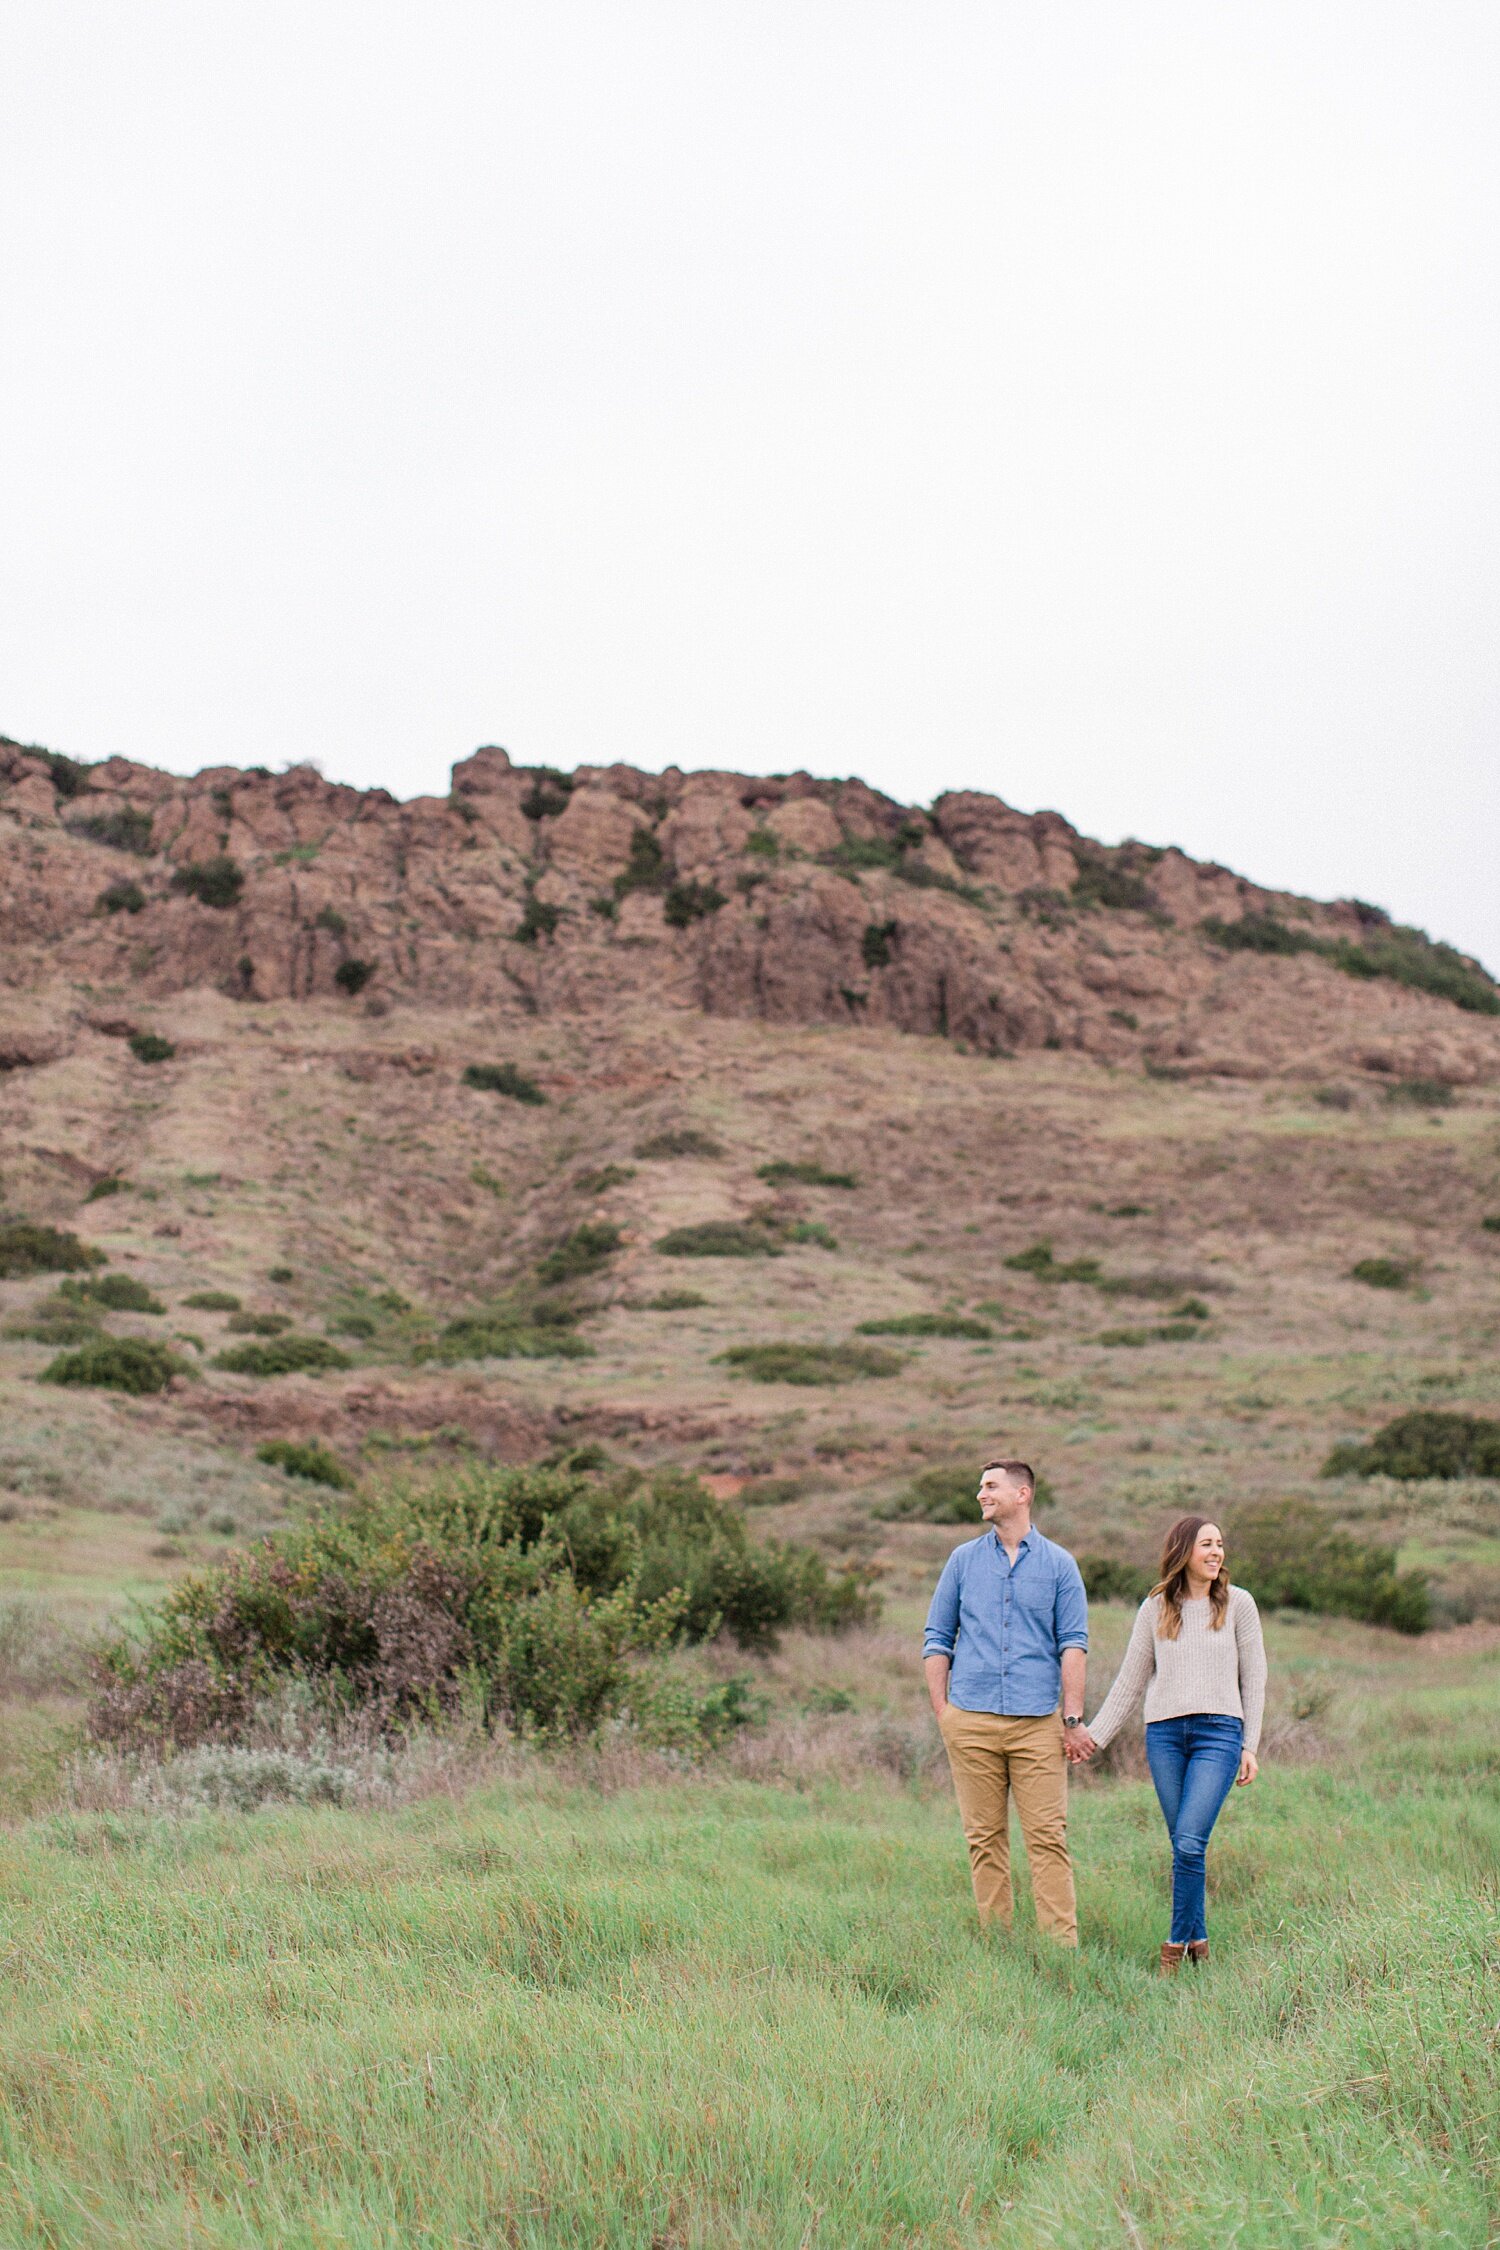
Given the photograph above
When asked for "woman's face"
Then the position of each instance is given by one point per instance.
(1207, 1558)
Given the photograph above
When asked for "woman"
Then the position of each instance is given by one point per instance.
(1196, 1649)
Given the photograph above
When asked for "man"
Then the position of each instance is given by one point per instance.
(1007, 1631)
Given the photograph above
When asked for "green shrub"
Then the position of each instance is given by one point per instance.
(1107, 1579)
(925, 878)
(27, 1248)
(150, 1047)
(1129, 1211)
(646, 866)
(258, 1323)
(548, 794)
(949, 1495)
(1165, 1332)
(1288, 1557)
(608, 1176)
(808, 1173)
(1412, 958)
(582, 1252)
(308, 1460)
(1039, 1262)
(69, 777)
(287, 1355)
(1404, 956)
(1158, 1285)
(1429, 1443)
(1191, 1308)
(864, 851)
(678, 1140)
(811, 1364)
(1382, 1273)
(117, 1363)
(280, 1274)
(926, 1324)
(763, 843)
(504, 1334)
(353, 975)
(121, 898)
(504, 1078)
(691, 901)
(1334, 1097)
(538, 920)
(127, 829)
(1258, 933)
(111, 1184)
(698, 1550)
(878, 944)
(213, 882)
(1420, 1093)
(540, 1586)
(117, 1292)
(1100, 884)
(718, 1238)
(771, 1492)
(58, 1323)
(1184, 1328)
(809, 1230)
(671, 1300)
(212, 1300)
(1040, 903)
(1491, 1224)
(329, 918)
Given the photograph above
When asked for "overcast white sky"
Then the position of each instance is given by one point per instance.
(1094, 403)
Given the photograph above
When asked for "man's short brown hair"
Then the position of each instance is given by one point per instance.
(1019, 1472)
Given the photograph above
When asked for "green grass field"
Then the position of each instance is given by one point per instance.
(710, 2011)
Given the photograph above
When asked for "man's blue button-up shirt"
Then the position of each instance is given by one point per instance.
(1005, 1625)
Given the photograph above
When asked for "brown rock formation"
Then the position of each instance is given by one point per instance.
(794, 899)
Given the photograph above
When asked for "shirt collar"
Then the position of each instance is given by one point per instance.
(1025, 1541)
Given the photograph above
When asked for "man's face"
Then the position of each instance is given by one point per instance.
(1000, 1501)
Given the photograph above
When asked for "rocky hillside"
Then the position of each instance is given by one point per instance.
(526, 893)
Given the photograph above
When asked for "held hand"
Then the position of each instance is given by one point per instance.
(1249, 1768)
(1079, 1745)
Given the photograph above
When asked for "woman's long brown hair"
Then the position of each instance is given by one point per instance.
(1172, 1584)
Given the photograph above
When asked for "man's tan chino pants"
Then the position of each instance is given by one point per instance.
(993, 1760)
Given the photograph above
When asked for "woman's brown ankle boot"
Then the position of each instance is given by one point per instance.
(1197, 1951)
(1171, 1958)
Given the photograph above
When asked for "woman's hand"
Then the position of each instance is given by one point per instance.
(1249, 1768)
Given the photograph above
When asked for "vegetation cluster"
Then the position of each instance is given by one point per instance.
(1428, 1443)
(26, 1248)
(532, 1591)
(810, 1365)
(1403, 955)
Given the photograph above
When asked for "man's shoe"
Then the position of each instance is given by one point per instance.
(1197, 1951)
(1171, 1958)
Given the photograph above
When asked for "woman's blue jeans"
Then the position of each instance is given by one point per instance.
(1193, 1761)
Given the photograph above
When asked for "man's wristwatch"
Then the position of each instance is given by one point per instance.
(1072, 1718)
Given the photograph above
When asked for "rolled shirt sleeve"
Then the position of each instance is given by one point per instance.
(1072, 1607)
(941, 1633)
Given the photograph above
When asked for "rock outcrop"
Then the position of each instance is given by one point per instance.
(791, 898)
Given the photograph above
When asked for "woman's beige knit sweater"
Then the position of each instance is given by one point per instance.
(1202, 1670)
